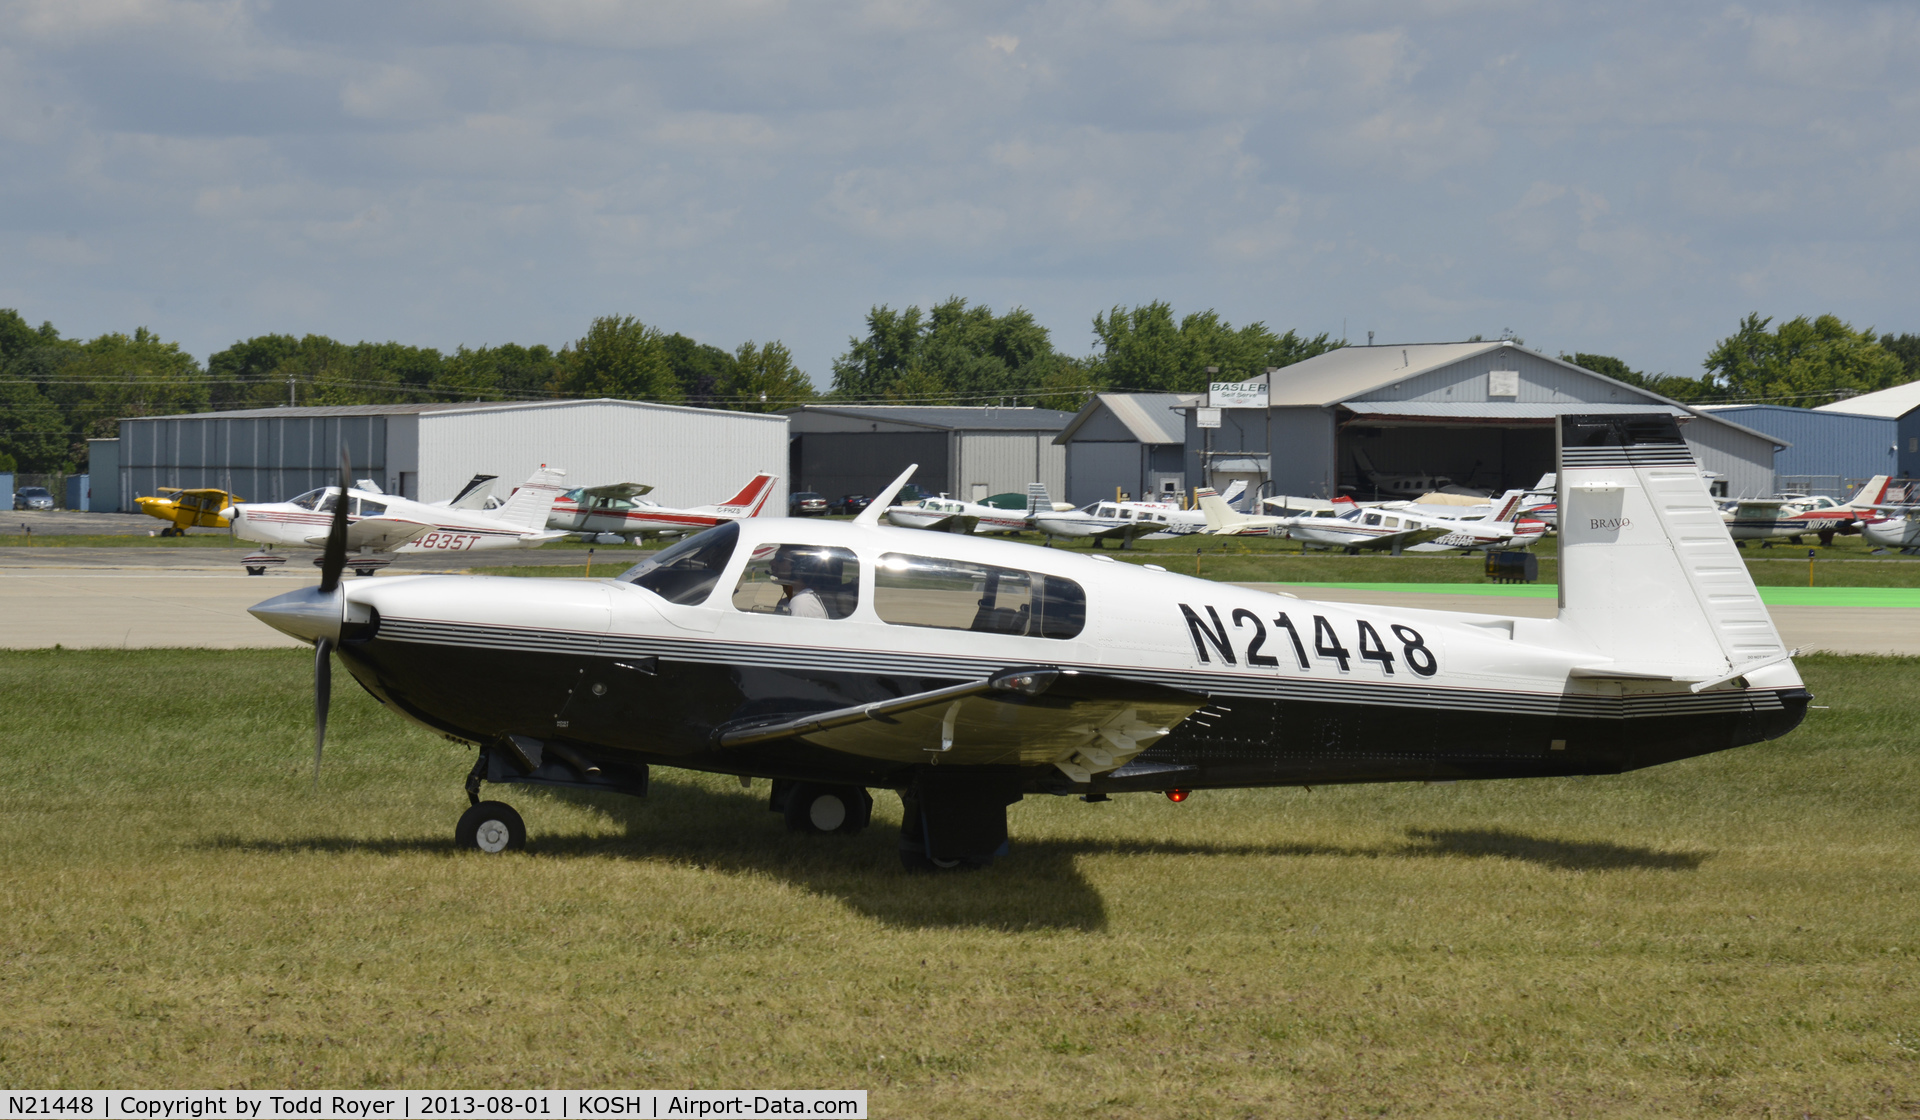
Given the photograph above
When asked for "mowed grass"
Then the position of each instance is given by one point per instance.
(1729, 936)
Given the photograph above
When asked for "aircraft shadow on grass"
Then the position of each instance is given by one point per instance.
(1038, 885)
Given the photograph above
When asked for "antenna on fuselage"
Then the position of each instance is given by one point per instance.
(878, 507)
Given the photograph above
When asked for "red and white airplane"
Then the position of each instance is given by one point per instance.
(1759, 519)
(618, 508)
(378, 522)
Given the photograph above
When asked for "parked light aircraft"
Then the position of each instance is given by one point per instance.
(1125, 522)
(378, 522)
(1505, 527)
(618, 509)
(1755, 519)
(966, 673)
(951, 515)
(1892, 526)
(187, 509)
(1397, 485)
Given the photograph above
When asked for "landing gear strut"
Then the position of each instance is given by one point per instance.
(955, 820)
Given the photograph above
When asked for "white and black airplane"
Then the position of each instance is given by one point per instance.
(621, 508)
(966, 673)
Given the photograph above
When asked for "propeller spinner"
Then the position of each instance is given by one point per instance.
(316, 614)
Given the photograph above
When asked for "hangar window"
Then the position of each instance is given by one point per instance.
(686, 573)
(802, 580)
(961, 595)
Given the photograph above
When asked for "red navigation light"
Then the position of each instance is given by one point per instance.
(1178, 795)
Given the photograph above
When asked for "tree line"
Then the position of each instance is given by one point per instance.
(56, 393)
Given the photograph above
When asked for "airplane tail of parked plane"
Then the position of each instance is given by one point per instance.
(1506, 508)
(1219, 514)
(1873, 493)
(751, 499)
(1648, 571)
(474, 494)
(530, 504)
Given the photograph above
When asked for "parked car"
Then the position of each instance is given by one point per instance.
(850, 503)
(32, 497)
(806, 504)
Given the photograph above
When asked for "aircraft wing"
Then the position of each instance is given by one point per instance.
(1757, 509)
(954, 523)
(613, 490)
(1033, 716)
(382, 534)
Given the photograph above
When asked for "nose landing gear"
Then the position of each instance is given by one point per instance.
(491, 826)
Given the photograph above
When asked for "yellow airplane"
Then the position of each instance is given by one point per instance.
(188, 508)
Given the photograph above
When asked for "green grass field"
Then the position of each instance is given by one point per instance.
(1729, 936)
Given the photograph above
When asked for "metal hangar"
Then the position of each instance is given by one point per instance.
(1473, 414)
(969, 453)
(1131, 442)
(690, 456)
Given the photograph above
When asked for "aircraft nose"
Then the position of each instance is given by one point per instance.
(229, 512)
(308, 614)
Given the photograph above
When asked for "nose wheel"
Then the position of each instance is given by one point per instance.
(491, 826)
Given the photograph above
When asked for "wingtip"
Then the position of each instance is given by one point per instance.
(877, 508)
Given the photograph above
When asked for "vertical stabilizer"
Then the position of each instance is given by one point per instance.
(1648, 571)
(1220, 515)
(1037, 500)
(751, 499)
(533, 501)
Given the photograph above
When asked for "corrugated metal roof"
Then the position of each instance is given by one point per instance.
(1334, 376)
(1894, 402)
(947, 418)
(307, 411)
(1148, 417)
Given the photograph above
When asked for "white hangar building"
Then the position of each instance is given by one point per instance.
(690, 456)
(1478, 413)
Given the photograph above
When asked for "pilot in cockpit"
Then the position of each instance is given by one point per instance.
(801, 570)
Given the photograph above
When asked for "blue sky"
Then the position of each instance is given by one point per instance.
(1619, 178)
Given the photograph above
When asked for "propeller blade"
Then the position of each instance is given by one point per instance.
(334, 559)
(322, 698)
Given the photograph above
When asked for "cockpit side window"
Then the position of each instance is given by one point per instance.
(800, 580)
(367, 507)
(310, 499)
(961, 595)
(685, 574)
(328, 503)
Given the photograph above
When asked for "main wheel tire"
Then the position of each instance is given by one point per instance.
(823, 808)
(491, 826)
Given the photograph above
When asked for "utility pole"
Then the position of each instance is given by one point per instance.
(289, 390)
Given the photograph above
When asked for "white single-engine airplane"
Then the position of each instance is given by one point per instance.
(966, 673)
(1759, 519)
(378, 522)
(1123, 521)
(617, 508)
(951, 515)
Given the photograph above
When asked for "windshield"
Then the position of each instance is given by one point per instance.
(685, 574)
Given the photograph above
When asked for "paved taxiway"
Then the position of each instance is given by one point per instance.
(137, 598)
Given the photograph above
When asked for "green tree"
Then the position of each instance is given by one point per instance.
(16, 337)
(958, 353)
(1674, 388)
(1802, 361)
(97, 383)
(699, 369)
(1905, 347)
(247, 374)
(1143, 349)
(508, 371)
(620, 356)
(34, 435)
(764, 379)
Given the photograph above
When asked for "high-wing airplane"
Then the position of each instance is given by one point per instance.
(619, 509)
(1355, 528)
(966, 673)
(1757, 519)
(187, 509)
(1505, 527)
(1892, 526)
(378, 522)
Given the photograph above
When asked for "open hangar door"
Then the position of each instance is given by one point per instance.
(833, 464)
(1490, 457)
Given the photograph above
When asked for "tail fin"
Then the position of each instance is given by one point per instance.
(1037, 500)
(1236, 490)
(1506, 508)
(530, 504)
(1220, 515)
(751, 498)
(1872, 494)
(474, 494)
(1648, 571)
(1342, 504)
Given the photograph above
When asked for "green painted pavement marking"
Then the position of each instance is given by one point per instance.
(1772, 596)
